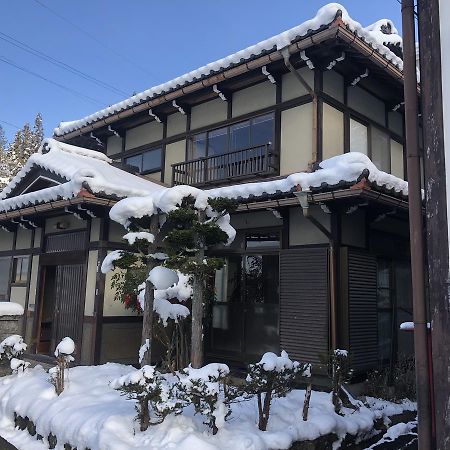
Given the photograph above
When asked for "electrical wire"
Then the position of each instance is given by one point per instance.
(61, 86)
(9, 124)
(94, 38)
(58, 63)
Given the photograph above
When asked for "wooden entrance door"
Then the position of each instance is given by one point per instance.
(69, 303)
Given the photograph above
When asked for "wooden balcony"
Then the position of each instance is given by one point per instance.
(246, 163)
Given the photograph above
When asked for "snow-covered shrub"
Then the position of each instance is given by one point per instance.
(339, 368)
(18, 366)
(272, 377)
(63, 354)
(12, 347)
(151, 389)
(206, 388)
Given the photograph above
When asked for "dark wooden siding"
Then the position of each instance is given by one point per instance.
(69, 302)
(65, 242)
(362, 310)
(304, 303)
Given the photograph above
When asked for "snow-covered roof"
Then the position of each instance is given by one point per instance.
(372, 34)
(81, 168)
(348, 168)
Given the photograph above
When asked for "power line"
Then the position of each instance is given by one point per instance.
(61, 86)
(9, 124)
(56, 62)
(94, 38)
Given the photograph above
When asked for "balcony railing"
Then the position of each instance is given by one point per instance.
(246, 163)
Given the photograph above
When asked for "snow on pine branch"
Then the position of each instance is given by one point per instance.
(132, 237)
(65, 349)
(108, 263)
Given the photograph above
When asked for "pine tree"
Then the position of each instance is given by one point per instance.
(4, 167)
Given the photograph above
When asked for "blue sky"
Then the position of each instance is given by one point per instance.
(132, 45)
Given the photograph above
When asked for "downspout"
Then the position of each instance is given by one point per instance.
(416, 228)
(286, 58)
(302, 197)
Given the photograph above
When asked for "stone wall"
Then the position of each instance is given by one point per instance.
(9, 325)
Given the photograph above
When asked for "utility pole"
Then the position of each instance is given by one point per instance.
(434, 50)
(416, 228)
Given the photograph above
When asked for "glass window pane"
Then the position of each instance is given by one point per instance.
(198, 146)
(262, 130)
(24, 268)
(240, 136)
(135, 161)
(218, 142)
(5, 264)
(261, 278)
(381, 150)
(358, 137)
(262, 240)
(151, 160)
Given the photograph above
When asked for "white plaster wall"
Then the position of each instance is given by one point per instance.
(333, 132)
(291, 86)
(253, 98)
(176, 124)
(19, 295)
(143, 134)
(365, 103)
(302, 231)
(23, 239)
(333, 84)
(113, 145)
(72, 223)
(397, 168)
(175, 153)
(33, 283)
(6, 240)
(208, 113)
(90, 283)
(112, 307)
(296, 139)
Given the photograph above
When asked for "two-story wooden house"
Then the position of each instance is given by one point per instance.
(312, 270)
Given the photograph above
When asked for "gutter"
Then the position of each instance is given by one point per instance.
(337, 30)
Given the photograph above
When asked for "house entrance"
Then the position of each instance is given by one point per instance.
(62, 293)
(246, 306)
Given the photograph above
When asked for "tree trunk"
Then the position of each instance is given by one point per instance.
(149, 299)
(307, 401)
(147, 322)
(265, 412)
(197, 323)
(198, 292)
(144, 414)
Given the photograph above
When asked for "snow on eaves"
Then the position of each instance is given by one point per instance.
(347, 168)
(372, 34)
(81, 168)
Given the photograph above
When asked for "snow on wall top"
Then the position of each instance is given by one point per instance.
(372, 34)
(81, 168)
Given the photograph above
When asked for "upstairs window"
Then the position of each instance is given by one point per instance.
(20, 269)
(254, 132)
(147, 162)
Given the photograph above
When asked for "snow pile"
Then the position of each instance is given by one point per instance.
(208, 375)
(325, 15)
(409, 326)
(271, 362)
(394, 432)
(108, 262)
(65, 348)
(143, 235)
(162, 305)
(162, 277)
(18, 365)
(12, 346)
(10, 309)
(136, 207)
(81, 168)
(91, 414)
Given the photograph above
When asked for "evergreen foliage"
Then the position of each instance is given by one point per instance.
(14, 155)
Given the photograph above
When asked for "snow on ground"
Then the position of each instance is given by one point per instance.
(90, 413)
(10, 309)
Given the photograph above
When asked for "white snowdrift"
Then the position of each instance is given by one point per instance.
(90, 413)
(10, 309)
(325, 15)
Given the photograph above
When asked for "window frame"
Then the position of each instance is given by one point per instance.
(141, 153)
(16, 260)
(228, 127)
